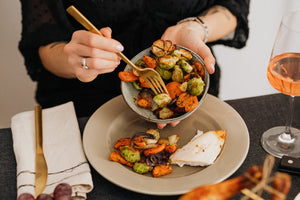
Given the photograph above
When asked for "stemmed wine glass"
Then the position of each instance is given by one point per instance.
(284, 75)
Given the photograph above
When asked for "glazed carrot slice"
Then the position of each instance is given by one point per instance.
(128, 76)
(150, 62)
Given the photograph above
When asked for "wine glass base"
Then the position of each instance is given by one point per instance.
(280, 145)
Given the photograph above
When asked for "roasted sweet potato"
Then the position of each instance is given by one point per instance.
(116, 157)
(199, 67)
(187, 101)
(174, 89)
(143, 83)
(128, 76)
(161, 170)
(150, 62)
(171, 148)
(122, 142)
(139, 141)
(143, 103)
(155, 150)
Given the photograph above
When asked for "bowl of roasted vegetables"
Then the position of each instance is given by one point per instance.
(185, 77)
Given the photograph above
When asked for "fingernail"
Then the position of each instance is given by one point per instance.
(118, 62)
(119, 47)
(212, 67)
(161, 126)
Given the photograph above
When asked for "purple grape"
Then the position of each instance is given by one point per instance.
(62, 189)
(26, 196)
(44, 197)
(64, 197)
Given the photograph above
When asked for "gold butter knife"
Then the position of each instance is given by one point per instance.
(41, 169)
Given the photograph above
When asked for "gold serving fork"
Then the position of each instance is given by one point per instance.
(151, 77)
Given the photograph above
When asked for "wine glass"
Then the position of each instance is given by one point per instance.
(284, 75)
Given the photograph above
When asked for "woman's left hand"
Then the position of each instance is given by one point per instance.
(190, 34)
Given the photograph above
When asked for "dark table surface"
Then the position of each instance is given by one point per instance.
(259, 113)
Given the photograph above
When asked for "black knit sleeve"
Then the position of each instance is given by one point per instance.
(240, 9)
(43, 22)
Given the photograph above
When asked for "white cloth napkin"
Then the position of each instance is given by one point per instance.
(62, 149)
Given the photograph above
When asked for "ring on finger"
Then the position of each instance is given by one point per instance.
(83, 63)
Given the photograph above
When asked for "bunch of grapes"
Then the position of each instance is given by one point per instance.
(62, 191)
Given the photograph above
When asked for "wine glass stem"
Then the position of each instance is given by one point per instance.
(290, 117)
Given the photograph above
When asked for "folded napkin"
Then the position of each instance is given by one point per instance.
(62, 149)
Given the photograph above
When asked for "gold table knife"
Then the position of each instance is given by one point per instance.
(41, 169)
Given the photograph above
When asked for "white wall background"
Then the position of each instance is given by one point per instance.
(244, 70)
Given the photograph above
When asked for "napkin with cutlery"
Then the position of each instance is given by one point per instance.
(62, 147)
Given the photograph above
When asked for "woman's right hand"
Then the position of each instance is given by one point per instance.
(98, 51)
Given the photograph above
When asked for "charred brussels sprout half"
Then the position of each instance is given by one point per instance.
(162, 100)
(167, 62)
(177, 74)
(141, 168)
(165, 74)
(130, 154)
(183, 54)
(186, 66)
(195, 86)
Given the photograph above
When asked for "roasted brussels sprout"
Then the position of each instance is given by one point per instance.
(141, 168)
(156, 136)
(165, 113)
(177, 74)
(167, 62)
(183, 54)
(183, 86)
(136, 85)
(130, 154)
(195, 86)
(141, 63)
(165, 74)
(186, 66)
(162, 100)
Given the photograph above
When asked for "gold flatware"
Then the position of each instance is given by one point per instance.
(152, 77)
(41, 169)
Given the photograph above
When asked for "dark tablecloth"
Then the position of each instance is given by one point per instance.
(259, 113)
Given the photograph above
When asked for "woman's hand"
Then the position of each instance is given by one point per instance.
(99, 52)
(161, 125)
(65, 59)
(190, 34)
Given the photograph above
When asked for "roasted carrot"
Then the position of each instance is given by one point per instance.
(161, 170)
(128, 76)
(187, 101)
(199, 68)
(174, 89)
(171, 148)
(139, 141)
(116, 157)
(122, 142)
(143, 83)
(150, 62)
(143, 103)
(155, 150)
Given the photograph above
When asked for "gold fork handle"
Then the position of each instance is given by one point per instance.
(90, 27)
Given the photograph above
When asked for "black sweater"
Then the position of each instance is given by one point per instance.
(135, 23)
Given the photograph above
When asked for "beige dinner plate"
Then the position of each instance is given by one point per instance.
(116, 120)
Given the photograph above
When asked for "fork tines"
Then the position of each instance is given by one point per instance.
(154, 83)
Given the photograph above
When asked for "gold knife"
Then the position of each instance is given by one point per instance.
(41, 169)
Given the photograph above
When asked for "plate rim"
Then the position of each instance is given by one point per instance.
(243, 154)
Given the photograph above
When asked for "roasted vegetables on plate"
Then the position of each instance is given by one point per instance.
(146, 152)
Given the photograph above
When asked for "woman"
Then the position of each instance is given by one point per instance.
(72, 64)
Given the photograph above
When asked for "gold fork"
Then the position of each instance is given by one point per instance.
(151, 77)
